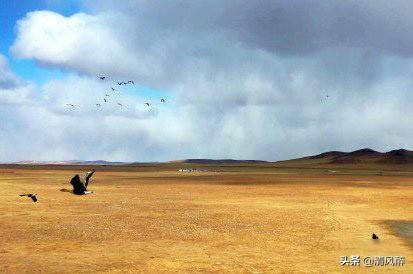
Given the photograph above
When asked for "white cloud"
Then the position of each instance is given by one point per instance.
(42, 127)
(53, 39)
(91, 44)
(13, 91)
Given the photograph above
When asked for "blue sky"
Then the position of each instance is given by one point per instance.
(10, 12)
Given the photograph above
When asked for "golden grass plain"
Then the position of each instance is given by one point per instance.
(163, 221)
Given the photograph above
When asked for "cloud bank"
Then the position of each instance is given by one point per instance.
(248, 79)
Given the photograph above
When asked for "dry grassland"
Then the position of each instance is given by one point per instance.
(164, 221)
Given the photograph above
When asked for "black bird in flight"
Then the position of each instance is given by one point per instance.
(120, 104)
(104, 99)
(162, 100)
(98, 105)
(374, 237)
(147, 104)
(130, 82)
(112, 89)
(107, 95)
(32, 196)
(102, 77)
(70, 105)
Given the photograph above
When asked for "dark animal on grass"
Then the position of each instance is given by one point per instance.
(80, 184)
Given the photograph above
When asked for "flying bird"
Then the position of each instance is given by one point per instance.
(147, 104)
(98, 105)
(32, 196)
(112, 89)
(107, 95)
(162, 100)
(120, 104)
(131, 82)
(374, 237)
(104, 99)
(102, 77)
(70, 105)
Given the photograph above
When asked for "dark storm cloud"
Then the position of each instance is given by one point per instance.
(304, 27)
(284, 27)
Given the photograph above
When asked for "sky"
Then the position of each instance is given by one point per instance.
(268, 80)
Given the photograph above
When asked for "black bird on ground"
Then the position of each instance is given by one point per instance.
(30, 195)
(80, 184)
(374, 237)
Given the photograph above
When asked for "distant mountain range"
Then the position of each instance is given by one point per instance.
(72, 162)
(364, 156)
(359, 157)
(102, 162)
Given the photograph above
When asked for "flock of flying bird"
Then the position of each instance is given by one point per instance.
(106, 97)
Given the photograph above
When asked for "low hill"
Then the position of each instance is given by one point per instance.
(107, 163)
(366, 158)
(361, 158)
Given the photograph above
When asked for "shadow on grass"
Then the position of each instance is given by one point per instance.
(403, 229)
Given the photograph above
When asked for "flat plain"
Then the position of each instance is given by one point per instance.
(249, 219)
